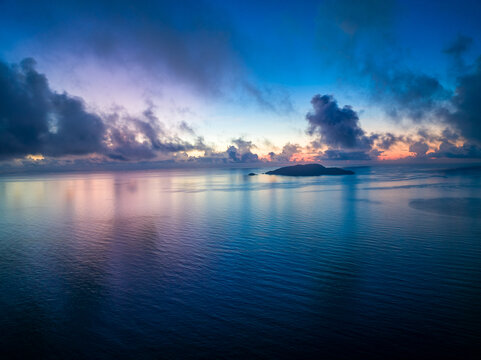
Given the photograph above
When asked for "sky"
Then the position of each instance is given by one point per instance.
(205, 83)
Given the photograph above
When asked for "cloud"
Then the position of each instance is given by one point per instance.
(339, 130)
(186, 128)
(139, 138)
(242, 151)
(337, 127)
(456, 50)
(286, 154)
(450, 150)
(451, 145)
(239, 152)
(192, 46)
(407, 94)
(385, 141)
(34, 119)
(447, 144)
(358, 39)
(459, 46)
(189, 44)
(465, 116)
(420, 148)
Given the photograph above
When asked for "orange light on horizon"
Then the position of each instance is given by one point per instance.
(36, 157)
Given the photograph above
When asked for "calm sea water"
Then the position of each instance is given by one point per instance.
(216, 264)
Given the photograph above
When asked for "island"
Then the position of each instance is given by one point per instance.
(309, 170)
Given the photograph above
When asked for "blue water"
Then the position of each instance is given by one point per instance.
(216, 264)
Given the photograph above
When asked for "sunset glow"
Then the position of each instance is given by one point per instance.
(207, 91)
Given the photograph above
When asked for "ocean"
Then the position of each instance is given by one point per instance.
(213, 264)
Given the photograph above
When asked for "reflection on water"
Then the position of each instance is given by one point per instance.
(214, 263)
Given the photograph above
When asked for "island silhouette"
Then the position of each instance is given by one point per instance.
(309, 170)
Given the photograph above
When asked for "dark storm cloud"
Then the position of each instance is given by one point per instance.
(337, 127)
(36, 120)
(357, 37)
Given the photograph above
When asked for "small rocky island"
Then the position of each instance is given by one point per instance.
(309, 170)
